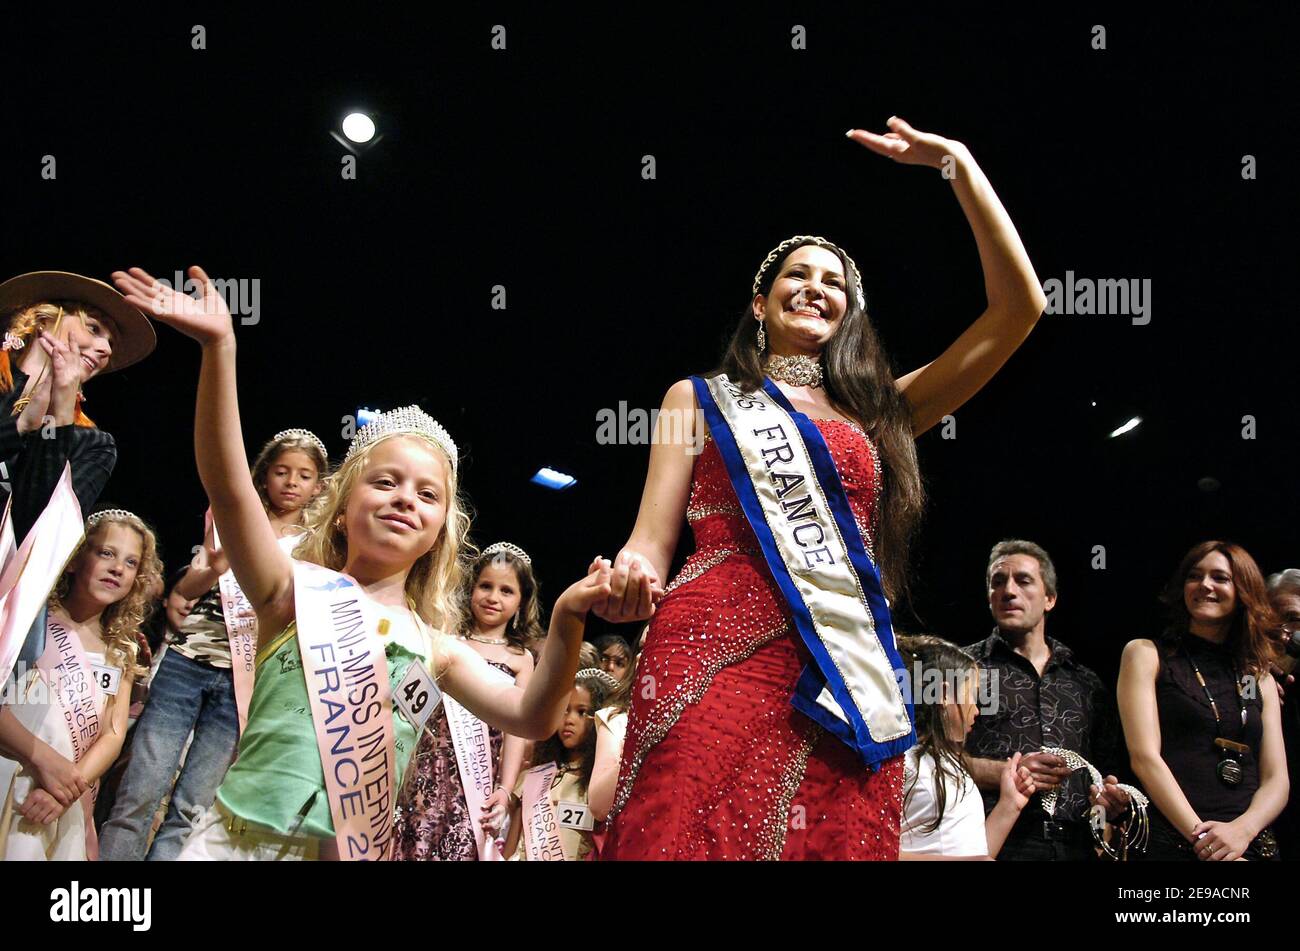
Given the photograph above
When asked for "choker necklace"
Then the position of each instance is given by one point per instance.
(495, 641)
(798, 370)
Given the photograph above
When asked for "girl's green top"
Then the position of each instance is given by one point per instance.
(277, 780)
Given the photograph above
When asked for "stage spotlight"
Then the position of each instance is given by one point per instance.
(359, 128)
(550, 479)
(358, 132)
(1127, 427)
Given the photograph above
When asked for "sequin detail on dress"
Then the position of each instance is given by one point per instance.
(717, 764)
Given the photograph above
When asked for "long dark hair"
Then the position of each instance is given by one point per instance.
(1250, 635)
(858, 378)
(551, 750)
(922, 653)
(527, 623)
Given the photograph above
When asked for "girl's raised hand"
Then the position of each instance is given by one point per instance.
(66, 370)
(907, 145)
(205, 319)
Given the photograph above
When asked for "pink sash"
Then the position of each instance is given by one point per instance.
(470, 740)
(67, 671)
(351, 704)
(542, 841)
(28, 573)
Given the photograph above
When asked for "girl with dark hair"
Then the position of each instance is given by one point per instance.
(435, 821)
(201, 689)
(615, 656)
(550, 819)
(1201, 713)
(943, 812)
(771, 651)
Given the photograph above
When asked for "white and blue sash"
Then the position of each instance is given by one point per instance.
(791, 493)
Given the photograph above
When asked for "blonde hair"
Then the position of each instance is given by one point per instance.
(122, 620)
(436, 578)
(272, 451)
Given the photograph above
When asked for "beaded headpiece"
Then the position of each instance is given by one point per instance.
(306, 434)
(96, 517)
(509, 549)
(776, 253)
(607, 681)
(409, 420)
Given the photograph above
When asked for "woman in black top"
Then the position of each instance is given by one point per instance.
(1201, 713)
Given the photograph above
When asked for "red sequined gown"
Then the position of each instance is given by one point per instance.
(717, 764)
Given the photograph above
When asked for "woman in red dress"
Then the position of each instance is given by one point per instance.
(717, 764)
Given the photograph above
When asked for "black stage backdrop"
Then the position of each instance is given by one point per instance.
(525, 168)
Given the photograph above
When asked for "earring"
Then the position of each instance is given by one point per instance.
(762, 338)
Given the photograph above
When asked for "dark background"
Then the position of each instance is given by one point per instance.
(523, 168)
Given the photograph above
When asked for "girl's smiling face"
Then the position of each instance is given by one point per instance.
(398, 506)
(496, 596)
(579, 717)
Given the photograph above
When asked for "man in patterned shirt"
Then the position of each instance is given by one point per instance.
(1044, 698)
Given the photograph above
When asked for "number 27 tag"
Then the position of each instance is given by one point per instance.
(418, 696)
(575, 815)
(107, 677)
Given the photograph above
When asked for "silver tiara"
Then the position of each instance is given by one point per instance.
(509, 549)
(820, 242)
(306, 434)
(405, 419)
(602, 677)
(96, 517)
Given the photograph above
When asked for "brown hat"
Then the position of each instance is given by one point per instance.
(134, 338)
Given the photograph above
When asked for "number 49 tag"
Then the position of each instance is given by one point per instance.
(418, 696)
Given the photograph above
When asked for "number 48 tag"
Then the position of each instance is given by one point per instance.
(418, 696)
(107, 677)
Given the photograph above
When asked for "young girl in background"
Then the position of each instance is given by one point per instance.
(196, 690)
(379, 565)
(550, 819)
(83, 678)
(943, 813)
(435, 821)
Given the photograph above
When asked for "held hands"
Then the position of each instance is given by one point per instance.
(1220, 841)
(1046, 769)
(580, 596)
(910, 146)
(1017, 783)
(1110, 796)
(40, 807)
(206, 319)
(635, 590)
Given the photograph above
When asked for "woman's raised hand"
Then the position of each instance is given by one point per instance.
(66, 370)
(205, 319)
(909, 146)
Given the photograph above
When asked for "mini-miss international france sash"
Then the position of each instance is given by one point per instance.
(791, 493)
(351, 704)
(77, 697)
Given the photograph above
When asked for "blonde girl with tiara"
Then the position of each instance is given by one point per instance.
(201, 689)
(71, 707)
(453, 804)
(550, 818)
(351, 655)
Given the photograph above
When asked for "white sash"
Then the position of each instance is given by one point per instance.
(29, 572)
(542, 842)
(799, 513)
